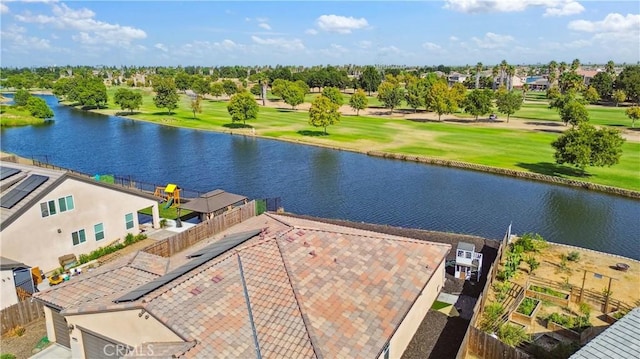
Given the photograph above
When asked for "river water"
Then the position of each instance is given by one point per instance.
(329, 183)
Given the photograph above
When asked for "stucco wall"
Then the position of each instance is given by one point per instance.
(124, 327)
(35, 240)
(8, 294)
(400, 340)
(48, 320)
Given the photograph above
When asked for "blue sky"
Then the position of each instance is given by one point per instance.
(214, 33)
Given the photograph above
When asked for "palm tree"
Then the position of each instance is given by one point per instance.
(611, 68)
(511, 71)
(562, 67)
(478, 69)
(494, 72)
(553, 66)
(525, 88)
(575, 65)
(503, 69)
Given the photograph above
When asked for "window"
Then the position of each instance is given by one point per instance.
(128, 218)
(78, 237)
(49, 208)
(468, 254)
(99, 230)
(460, 253)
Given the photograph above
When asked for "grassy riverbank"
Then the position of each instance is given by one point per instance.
(11, 116)
(523, 150)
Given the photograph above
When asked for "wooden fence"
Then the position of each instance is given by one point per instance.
(180, 241)
(484, 345)
(21, 313)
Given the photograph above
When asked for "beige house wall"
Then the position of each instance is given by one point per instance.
(401, 338)
(8, 295)
(48, 320)
(40, 241)
(125, 327)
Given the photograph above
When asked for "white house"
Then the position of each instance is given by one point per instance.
(14, 275)
(468, 262)
(48, 213)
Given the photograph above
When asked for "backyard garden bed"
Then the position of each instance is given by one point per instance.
(548, 295)
(526, 312)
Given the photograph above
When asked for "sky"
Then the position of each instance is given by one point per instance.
(221, 33)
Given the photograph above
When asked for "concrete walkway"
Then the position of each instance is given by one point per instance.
(53, 351)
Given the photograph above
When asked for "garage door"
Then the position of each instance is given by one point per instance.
(60, 329)
(98, 347)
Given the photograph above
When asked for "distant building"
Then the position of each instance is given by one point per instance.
(47, 214)
(468, 262)
(272, 287)
(456, 77)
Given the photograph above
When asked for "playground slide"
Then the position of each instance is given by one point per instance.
(169, 203)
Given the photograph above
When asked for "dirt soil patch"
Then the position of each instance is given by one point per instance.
(22, 346)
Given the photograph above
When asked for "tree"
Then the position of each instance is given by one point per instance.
(533, 264)
(478, 102)
(458, 92)
(634, 114)
(629, 82)
(358, 101)
(21, 97)
(303, 86)
(229, 87)
(572, 111)
(585, 145)
(242, 107)
(256, 90)
(439, 99)
(200, 86)
(333, 94)
(88, 91)
(39, 108)
(183, 81)
(390, 94)
(416, 93)
(216, 89)
(478, 70)
(553, 75)
(603, 83)
(618, 96)
(570, 81)
(591, 95)
(508, 102)
(525, 89)
(370, 79)
(127, 99)
(292, 95)
(575, 64)
(166, 94)
(196, 106)
(323, 113)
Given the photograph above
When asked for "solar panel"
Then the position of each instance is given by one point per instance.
(22, 190)
(203, 256)
(6, 172)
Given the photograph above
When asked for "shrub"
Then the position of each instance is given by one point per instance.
(512, 335)
(7, 356)
(129, 239)
(501, 289)
(619, 314)
(548, 291)
(490, 316)
(527, 306)
(17, 331)
(531, 242)
(573, 256)
(533, 264)
(571, 322)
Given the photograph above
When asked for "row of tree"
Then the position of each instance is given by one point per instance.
(36, 106)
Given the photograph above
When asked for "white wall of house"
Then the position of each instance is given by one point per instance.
(48, 320)
(8, 295)
(40, 240)
(406, 330)
(122, 326)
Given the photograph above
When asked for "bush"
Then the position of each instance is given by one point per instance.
(531, 242)
(512, 335)
(573, 256)
(490, 316)
(533, 264)
(501, 289)
(548, 291)
(7, 356)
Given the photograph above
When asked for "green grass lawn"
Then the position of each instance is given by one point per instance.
(437, 305)
(598, 115)
(17, 116)
(528, 151)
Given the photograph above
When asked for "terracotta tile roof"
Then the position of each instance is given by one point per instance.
(95, 290)
(332, 292)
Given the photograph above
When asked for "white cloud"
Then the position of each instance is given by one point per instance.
(227, 45)
(16, 36)
(161, 47)
(492, 41)
(364, 44)
(612, 23)
(264, 25)
(311, 31)
(431, 46)
(262, 19)
(340, 24)
(552, 7)
(569, 8)
(284, 44)
(453, 38)
(90, 29)
(247, 19)
(3, 8)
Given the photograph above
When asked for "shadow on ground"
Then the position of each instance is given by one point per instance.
(236, 125)
(127, 113)
(553, 169)
(545, 123)
(312, 133)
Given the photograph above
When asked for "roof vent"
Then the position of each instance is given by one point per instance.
(313, 253)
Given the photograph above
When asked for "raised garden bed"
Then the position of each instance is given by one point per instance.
(614, 316)
(526, 312)
(547, 342)
(568, 328)
(548, 295)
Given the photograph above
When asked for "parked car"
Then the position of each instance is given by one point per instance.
(493, 117)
